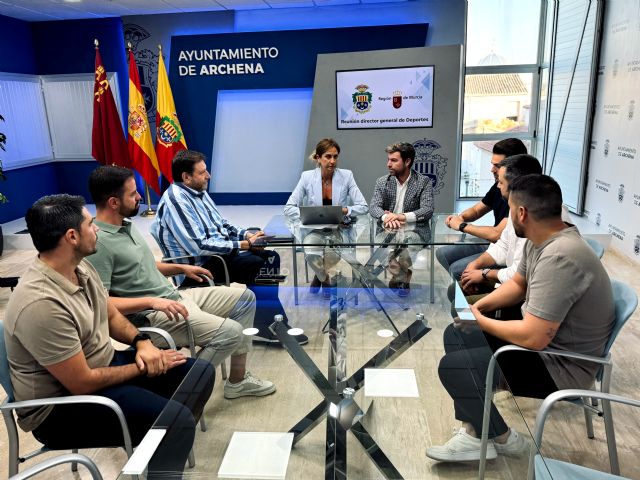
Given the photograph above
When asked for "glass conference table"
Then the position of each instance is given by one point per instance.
(370, 368)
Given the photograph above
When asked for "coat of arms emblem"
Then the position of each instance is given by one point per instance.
(362, 99)
(429, 163)
(397, 99)
(169, 130)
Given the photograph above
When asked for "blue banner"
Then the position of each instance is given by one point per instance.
(201, 65)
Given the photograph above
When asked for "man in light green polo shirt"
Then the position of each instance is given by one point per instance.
(136, 282)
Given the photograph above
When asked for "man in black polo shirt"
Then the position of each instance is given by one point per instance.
(456, 257)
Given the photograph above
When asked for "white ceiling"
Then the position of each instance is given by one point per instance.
(42, 10)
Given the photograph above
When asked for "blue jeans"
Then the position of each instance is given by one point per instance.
(455, 258)
(142, 400)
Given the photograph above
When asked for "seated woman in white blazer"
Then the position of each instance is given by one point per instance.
(325, 185)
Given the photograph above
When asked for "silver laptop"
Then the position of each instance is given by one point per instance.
(322, 215)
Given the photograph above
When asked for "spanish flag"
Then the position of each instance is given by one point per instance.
(140, 143)
(169, 136)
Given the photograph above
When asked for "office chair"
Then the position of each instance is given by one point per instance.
(547, 468)
(9, 405)
(73, 458)
(625, 301)
(596, 246)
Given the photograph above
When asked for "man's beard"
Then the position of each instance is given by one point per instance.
(519, 230)
(82, 254)
(130, 213)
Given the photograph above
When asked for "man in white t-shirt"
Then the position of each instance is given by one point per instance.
(500, 262)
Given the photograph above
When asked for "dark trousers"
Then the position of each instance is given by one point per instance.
(142, 400)
(463, 372)
(244, 268)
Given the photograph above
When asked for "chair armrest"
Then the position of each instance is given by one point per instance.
(218, 257)
(567, 394)
(560, 353)
(162, 333)
(59, 460)
(74, 400)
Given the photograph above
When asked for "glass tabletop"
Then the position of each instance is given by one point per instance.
(363, 230)
(387, 348)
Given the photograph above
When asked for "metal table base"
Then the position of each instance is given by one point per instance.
(343, 413)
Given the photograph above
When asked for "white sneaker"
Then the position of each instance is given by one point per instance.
(249, 386)
(462, 447)
(515, 446)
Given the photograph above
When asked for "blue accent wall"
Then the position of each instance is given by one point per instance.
(293, 67)
(24, 186)
(67, 47)
(16, 46)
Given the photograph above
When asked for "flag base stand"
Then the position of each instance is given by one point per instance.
(149, 212)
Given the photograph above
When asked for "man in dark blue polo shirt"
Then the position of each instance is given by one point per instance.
(456, 257)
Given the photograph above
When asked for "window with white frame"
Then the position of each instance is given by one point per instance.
(25, 125)
(48, 117)
(502, 83)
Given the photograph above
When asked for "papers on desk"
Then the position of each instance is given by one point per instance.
(390, 382)
(269, 453)
(144, 451)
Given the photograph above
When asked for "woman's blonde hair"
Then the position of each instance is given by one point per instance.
(322, 146)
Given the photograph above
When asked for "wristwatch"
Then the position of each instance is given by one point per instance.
(485, 272)
(462, 226)
(139, 337)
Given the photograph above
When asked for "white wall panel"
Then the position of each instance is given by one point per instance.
(613, 187)
(262, 132)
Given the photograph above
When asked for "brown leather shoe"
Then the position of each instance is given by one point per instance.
(314, 287)
(327, 286)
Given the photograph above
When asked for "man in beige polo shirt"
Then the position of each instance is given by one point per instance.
(136, 282)
(58, 325)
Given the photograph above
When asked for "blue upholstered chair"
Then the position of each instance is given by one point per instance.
(626, 301)
(596, 246)
(547, 468)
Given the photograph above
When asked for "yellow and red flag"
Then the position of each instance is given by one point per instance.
(108, 145)
(140, 142)
(169, 136)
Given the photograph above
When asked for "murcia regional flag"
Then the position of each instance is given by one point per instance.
(108, 145)
(169, 136)
(140, 142)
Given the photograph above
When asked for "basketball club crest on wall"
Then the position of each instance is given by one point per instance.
(362, 99)
(429, 163)
(169, 130)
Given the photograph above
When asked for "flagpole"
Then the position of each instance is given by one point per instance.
(149, 212)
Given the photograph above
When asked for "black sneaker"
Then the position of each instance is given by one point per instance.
(266, 336)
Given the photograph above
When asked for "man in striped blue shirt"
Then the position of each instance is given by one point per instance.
(188, 223)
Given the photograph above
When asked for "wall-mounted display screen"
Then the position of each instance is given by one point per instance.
(400, 97)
